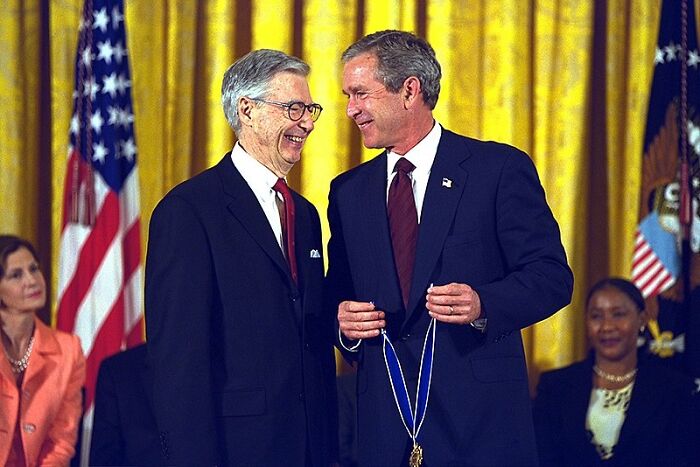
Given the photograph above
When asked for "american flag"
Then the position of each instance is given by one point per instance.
(100, 283)
(666, 263)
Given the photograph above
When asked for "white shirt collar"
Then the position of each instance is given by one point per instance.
(260, 179)
(421, 155)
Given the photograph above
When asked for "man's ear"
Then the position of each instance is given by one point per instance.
(411, 92)
(245, 111)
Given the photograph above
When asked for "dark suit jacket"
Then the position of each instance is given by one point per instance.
(657, 430)
(124, 431)
(242, 358)
(490, 227)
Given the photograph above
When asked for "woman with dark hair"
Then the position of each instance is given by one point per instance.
(42, 370)
(616, 407)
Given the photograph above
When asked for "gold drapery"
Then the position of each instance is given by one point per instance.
(567, 81)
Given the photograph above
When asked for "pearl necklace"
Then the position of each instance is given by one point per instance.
(18, 366)
(614, 378)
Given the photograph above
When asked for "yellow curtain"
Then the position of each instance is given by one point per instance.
(525, 73)
(20, 132)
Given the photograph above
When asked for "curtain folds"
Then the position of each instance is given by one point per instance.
(564, 80)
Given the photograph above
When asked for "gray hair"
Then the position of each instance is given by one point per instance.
(250, 76)
(400, 55)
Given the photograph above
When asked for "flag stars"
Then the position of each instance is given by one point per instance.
(86, 57)
(106, 51)
(119, 52)
(74, 125)
(671, 50)
(99, 152)
(125, 118)
(113, 115)
(128, 149)
(109, 85)
(96, 122)
(100, 20)
(82, 24)
(91, 88)
(117, 17)
(119, 116)
(658, 56)
(694, 136)
(693, 59)
(122, 83)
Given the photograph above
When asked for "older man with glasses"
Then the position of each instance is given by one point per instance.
(240, 352)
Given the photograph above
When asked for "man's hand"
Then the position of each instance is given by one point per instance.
(453, 303)
(359, 320)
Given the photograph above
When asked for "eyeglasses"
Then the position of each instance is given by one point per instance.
(295, 110)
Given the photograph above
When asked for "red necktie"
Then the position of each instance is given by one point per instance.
(403, 223)
(287, 221)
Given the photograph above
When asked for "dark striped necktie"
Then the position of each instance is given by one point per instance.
(403, 223)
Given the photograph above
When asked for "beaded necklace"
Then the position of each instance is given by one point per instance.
(18, 366)
(614, 378)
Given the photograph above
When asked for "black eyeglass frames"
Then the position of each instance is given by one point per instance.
(295, 110)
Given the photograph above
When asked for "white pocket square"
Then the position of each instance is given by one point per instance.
(314, 254)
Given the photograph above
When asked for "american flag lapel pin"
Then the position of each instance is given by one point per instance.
(447, 183)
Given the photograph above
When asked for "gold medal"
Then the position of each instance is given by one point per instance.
(416, 458)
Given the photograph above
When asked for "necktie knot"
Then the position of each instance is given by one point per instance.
(404, 166)
(281, 187)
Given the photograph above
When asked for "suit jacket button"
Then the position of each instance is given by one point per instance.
(301, 396)
(29, 428)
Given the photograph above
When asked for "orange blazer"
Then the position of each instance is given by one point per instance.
(51, 399)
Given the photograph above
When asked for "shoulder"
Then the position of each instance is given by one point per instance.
(359, 173)
(200, 186)
(571, 374)
(477, 147)
(664, 377)
(129, 359)
(484, 153)
(56, 341)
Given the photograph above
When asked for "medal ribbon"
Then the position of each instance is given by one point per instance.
(412, 419)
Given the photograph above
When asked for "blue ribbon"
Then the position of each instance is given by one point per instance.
(412, 419)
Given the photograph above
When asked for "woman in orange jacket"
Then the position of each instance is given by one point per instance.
(42, 370)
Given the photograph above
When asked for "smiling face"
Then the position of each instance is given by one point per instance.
(22, 288)
(268, 134)
(612, 324)
(378, 113)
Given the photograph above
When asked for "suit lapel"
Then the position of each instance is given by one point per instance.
(303, 226)
(41, 360)
(643, 404)
(442, 196)
(374, 222)
(245, 207)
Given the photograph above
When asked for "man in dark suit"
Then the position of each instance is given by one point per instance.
(123, 430)
(240, 351)
(440, 285)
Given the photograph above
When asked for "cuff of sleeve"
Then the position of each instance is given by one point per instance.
(352, 348)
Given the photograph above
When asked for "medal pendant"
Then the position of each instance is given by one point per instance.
(416, 458)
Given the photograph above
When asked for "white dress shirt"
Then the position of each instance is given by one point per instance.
(421, 156)
(260, 179)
